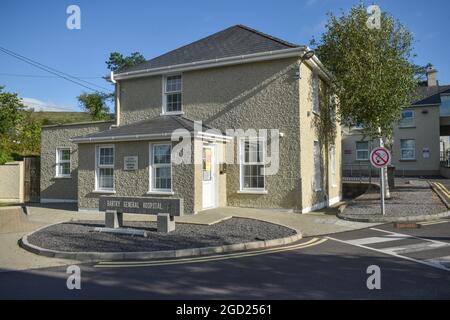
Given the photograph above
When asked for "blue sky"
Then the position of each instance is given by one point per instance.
(37, 30)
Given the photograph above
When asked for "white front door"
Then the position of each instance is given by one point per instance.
(209, 176)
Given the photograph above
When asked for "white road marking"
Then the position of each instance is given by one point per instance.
(372, 240)
(442, 263)
(427, 223)
(416, 247)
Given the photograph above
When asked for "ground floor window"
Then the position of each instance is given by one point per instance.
(333, 165)
(362, 150)
(63, 162)
(317, 162)
(105, 168)
(408, 149)
(161, 168)
(252, 164)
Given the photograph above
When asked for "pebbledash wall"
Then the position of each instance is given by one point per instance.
(263, 95)
(56, 189)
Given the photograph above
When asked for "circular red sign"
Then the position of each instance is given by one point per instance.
(380, 157)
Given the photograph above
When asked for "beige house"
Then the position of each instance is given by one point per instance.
(183, 129)
(417, 139)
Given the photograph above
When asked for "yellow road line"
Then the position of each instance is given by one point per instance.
(444, 189)
(440, 189)
(310, 243)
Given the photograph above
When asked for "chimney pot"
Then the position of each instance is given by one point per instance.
(431, 77)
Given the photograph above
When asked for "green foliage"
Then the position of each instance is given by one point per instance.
(94, 104)
(118, 62)
(53, 117)
(372, 74)
(19, 132)
(420, 72)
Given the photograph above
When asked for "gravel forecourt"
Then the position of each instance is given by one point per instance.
(409, 198)
(80, 236)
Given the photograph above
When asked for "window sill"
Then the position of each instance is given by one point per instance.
(252, 191)
(63, 177)
(174, 113)
(406, 127)
(163, 193)
(104, 191)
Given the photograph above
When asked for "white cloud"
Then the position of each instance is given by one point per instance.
(39, 105)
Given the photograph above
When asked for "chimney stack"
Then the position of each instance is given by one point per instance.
(431, 77)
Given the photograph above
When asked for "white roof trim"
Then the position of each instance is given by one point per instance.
(153, 136)
(254, 57)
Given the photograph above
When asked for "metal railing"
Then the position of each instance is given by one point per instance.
(364, 172)
(445, 158)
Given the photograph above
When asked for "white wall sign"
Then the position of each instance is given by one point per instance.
(130, 163)
(426, 153)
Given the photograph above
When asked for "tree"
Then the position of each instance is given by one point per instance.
(118, 62)
(11, 112)
(95, 105)
(373, 77)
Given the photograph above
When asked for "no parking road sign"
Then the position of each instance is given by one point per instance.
(380, 157)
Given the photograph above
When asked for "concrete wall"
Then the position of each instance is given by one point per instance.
(12, 182)
(62, 189)
(426, 134)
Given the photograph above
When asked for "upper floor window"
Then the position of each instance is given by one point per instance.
(172, 94)
(316, 92)
(444, 108)
(407, 118)
(63, 162)
(362, 150)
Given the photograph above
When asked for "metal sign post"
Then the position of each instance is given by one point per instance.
(381, 157)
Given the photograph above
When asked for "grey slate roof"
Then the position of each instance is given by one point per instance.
(233, 41)
(162, 125)
(424, 95)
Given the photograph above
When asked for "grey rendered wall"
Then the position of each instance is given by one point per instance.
(130, 183)
(53, 137)
(261, 95)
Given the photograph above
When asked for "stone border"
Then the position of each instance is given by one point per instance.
(149, 255)
(381, 219)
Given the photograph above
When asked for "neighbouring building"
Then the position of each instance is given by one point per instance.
(419, 139)
(238, 78)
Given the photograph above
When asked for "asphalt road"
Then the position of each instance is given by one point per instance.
(414, 264)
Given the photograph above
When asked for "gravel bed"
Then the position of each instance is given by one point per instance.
(410, 198)
(81, 237)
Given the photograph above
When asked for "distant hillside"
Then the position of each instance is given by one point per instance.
(49, 117)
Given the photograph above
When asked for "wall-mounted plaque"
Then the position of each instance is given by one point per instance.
(130, 163)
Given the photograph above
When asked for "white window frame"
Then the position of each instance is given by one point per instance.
(316, 93)
(153, 166)
(98, 166)
(413, 149)
(367, 150)
(317, 173)
(165, 93)
(59, 162)
(242, 163)
(409, 123)
(333, 165)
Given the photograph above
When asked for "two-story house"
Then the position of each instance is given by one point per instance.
(418, 137)
(202, 94)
